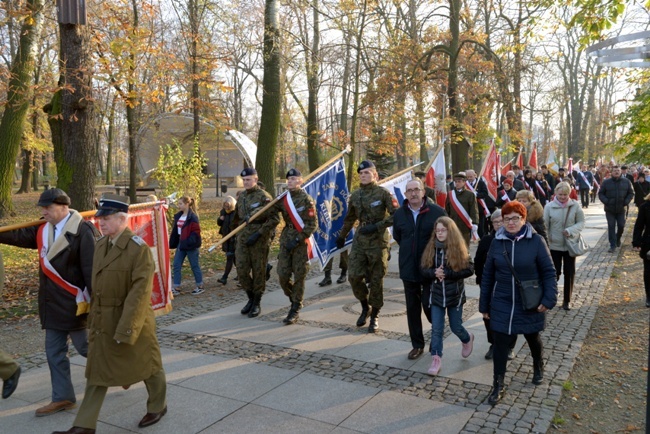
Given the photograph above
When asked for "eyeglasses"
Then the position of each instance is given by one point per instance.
(511, 219)
(413, 190)
(441, 230)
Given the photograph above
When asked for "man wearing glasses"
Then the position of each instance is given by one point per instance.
(413, 225)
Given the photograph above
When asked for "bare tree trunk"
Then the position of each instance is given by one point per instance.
(109, 142)
(313, 85)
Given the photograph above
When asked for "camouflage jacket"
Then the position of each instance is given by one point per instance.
(370, 204)
(249, 203)
(305, 208)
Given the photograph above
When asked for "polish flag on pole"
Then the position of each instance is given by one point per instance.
(437, 175)
(532, 162)
(507, 168)
(490, 171)
(520, 160)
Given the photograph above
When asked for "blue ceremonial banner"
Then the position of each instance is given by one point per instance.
(330, 192)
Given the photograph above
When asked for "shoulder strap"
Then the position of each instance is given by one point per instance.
(514, 273)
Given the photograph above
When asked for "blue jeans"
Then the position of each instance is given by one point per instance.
(56, 350)
(455, 314)
(615, 226)
(193, 257)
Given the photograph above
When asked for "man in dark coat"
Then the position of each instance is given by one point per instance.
(66, 243)
(615, 193)
(480, 190)
(548, 177)
(124, 348)
(413, 225)
(461, 207)
(585, 181)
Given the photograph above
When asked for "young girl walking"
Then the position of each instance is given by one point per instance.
(186, 239)
(446, 262)
(225, 223)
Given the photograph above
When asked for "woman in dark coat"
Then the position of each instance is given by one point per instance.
(225, 226)
(641, 189)
(641, 243)
(500, 300)
(534, 212)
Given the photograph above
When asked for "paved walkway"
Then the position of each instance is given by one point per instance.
(231, 374)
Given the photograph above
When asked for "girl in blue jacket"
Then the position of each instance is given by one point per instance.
(186, 239)
(446, 262)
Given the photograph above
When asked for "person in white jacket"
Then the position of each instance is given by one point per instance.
(563, 218)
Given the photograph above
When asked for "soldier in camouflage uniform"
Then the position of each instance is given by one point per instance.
(299, 224)
(374, 207)
(253, 242)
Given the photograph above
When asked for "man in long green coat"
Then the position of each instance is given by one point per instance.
(123, 348)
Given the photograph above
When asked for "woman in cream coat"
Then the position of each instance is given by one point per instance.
(563, 218)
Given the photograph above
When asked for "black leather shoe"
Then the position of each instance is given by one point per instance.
(538, 372)
(498, 390)
(76, 430)
(291, 318)
(343, 277)
(269, 267)
(151, 418)
(415, 353)
(223, 280)
(256, 309)
(365, 308)
(490, 352)
(565, 306)
(10, 384)
(647, 302)
(327, 280)
(618, 243)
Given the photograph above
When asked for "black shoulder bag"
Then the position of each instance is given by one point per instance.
(529, 290)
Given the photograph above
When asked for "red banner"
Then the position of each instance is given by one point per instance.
(532, 162)
(490, 171)
(149, 222)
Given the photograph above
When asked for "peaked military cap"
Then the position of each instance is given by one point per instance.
(249, 171)
(293, 172)
(53, 195)
(365, 164)
(420, 174)
(111, 204)
(460, 175)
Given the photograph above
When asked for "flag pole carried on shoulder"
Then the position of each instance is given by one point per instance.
(401, 172)
(274, 201)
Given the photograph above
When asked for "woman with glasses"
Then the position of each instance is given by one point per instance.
(446, 262)
(564, 218)
(516, 248)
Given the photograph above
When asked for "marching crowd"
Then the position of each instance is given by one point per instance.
(96, 290)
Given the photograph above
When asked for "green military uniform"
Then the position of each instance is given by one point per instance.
(295, 261)
(370, 204)
(123, 347)
(430, 193)
(253, 258)
(468, 201)
(8, 366)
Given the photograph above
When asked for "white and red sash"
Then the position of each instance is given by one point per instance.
(584, 178)
(481, 202)
(464, 216)
(540, 188)
(81, 296)
(297, 221)
(505, 196)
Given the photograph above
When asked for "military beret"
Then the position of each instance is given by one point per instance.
(293, 172)
(111, 204)
(249, 171)
(460, 175)
(53, 195)
(365, 164)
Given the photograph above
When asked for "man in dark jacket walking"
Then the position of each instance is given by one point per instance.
(615, 193)
(66, 243)
(412, 228)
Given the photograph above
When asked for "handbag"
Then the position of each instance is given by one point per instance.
(577, 246)
(529, 290)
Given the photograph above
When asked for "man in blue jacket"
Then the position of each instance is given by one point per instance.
(412, 227)
(615, 193)
(585, 180)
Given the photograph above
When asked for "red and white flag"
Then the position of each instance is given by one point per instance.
(570, 167)
(520, 160)
(490, 171)
(436, 177)
(532, 162)
(507, 168)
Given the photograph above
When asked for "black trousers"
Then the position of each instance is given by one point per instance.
(486, 322)
(413, 294)
(502, 344)
(584, 197)
(646, 277)
(569, 271)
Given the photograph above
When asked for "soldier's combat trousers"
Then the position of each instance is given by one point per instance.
(371, 264)
(252, 259)
(293, 262)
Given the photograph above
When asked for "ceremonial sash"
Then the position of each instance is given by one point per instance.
(584, 178)
(480, 201)
(540, 188)
(527, 185)
(462, 213)
(81, 296)
(297, 221)
(505, 196)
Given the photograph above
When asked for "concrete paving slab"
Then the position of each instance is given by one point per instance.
(240, 380)
(37, 386)
(182, 365)
(327, 341)
(253, 419)
(318, 398)
(390, 412)
(228, 318)
(379, 350)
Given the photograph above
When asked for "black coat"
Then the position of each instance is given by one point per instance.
(481, 255)
(616, 194)
(225, 228)
(451, 291)
(413, 237)
(641, 234)
(641, 190)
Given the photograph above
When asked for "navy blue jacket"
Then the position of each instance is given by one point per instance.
(190, 237)
(413, 237)
(616, 194)
(582, 184)
(531, 259)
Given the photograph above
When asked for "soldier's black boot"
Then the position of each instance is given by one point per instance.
(538, 371)
(293, 314)
(327, 280)
(256, 309)
(364, 313)
(343, 277)
(374, 322)
(249, 305)
(498, 390)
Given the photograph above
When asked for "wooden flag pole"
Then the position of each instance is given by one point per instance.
(401, 172)
(440, 148)
(274, 201)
